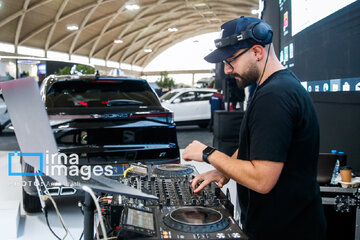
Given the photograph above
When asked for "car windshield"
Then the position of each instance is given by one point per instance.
(100, 93)
(168, 96)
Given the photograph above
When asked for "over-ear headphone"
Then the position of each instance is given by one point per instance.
(259, 32)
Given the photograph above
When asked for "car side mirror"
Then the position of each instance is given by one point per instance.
(177, 100)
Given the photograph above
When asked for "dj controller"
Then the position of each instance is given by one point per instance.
(178, 214)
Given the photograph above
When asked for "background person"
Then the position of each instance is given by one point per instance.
(275, 166)
(216, 103)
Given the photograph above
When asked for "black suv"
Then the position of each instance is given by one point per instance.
(105, 120)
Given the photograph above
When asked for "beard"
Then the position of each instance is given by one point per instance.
(248, 78)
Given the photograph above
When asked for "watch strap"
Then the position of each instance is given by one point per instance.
(206, 153)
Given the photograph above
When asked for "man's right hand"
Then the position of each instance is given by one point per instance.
(207, 178)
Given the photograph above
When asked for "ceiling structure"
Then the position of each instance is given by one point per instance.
(142, 33)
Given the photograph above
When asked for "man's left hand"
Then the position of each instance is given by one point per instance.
(194, 151)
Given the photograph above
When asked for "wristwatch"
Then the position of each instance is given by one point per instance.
(207, 152)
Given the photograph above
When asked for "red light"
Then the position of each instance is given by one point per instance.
(104, 102)
(83, 103)
(117, 227)
(102, 210)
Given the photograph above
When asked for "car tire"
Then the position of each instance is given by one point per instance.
(31, 203)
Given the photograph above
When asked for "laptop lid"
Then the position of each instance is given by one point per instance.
(34, 135)
(31, 124)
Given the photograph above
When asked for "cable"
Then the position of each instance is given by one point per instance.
(92, 194)
(127, 170)
(45, 197)
(47, 222)
(48, 196)
(267, 58)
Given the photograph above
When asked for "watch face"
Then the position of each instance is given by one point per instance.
(208, 150)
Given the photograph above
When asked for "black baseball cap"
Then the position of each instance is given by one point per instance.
(239, 34)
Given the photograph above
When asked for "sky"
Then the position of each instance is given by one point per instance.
(186, 55)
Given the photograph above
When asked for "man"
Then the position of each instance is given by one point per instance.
(216, 103)
(275, 165)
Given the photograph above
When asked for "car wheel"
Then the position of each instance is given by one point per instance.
(31, 203)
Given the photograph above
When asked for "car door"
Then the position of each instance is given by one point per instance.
(184, 107)
(203, 105)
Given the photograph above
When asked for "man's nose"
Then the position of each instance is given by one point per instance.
(227, 69)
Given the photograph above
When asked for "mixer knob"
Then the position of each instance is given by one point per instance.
(202, 202)
(236, 235)
(133, 178)
(193, 202)
(168, 201)
(152, 178)
(220, 235)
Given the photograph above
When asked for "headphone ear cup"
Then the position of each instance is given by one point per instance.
(261, 31)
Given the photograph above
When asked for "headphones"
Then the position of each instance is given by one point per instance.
(257, 32)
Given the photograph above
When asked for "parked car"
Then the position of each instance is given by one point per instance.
(4, 115)
(190, 105)
(105, 120)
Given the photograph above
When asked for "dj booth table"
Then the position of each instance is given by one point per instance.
(345, 201)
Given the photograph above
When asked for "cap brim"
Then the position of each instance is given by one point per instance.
(219, 55)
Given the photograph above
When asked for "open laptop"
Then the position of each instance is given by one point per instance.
(34, 135)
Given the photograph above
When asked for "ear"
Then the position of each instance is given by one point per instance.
(258, 52)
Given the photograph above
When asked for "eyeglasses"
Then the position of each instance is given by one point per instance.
(228, 62)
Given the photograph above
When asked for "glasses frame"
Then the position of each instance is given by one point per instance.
(228, 62)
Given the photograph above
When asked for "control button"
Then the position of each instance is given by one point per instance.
(236, 235)
(220, 235)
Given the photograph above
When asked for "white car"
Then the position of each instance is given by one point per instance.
(190, 105)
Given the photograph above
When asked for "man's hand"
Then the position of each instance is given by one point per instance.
(207, 178)
(194, 151)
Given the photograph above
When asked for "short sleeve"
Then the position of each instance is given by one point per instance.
(271, 125)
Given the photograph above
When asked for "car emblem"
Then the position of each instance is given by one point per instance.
(128, 137)
(83, 137)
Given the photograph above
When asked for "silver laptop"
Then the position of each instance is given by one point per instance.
(34, 135)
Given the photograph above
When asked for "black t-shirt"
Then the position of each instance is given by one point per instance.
(280, 125)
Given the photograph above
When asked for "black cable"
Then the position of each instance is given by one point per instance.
(82, 234)
(47, 222)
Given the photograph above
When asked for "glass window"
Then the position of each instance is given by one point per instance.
(204, 96)
(167, 96)
(100, 93)
(187, 97)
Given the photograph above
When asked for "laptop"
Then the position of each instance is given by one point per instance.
(34, 135)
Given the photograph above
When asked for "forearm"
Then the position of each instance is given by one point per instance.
(243, 172)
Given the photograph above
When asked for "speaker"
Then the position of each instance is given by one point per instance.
(227, 125)
(227, 147)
